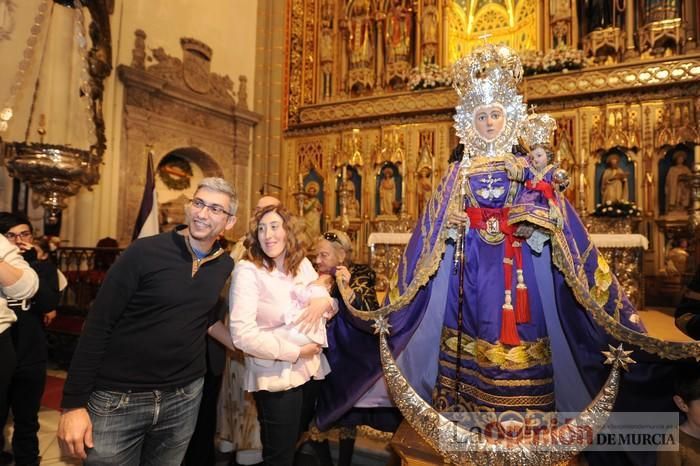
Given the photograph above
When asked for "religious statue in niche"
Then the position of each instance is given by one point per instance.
(351, 182)
(567, 162)
(425, 188)
(677, 183)
(613, 183)
(388, 190)
(360, 46)
(360, 35)
(175, 171)
(429, 31)
(560, 14)
(326, 48)
(399, 27)
(313, 209)
(677, 257)
(424, 177)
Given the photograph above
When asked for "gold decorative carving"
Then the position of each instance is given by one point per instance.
(613, 78)
(430, 28)
(361, 51)
(513, 23)
(676, 126)
(408, 102)
(326, 49)
(309, 44)
(398, 39)
(545, 88)
(604, 45)
(295, 57)
(655, 34)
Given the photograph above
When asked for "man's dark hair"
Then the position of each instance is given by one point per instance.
(687, 384)
(9, 220)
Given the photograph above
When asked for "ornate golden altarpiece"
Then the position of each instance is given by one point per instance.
(346, 107)
(359, 99)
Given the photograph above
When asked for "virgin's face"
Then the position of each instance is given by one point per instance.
(489, 121)
(327, 258)
(272, 235)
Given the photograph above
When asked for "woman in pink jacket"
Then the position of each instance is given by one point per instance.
(281, 372)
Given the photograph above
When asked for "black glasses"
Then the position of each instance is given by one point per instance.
(330, 236)
(23, 235)
(214, 209)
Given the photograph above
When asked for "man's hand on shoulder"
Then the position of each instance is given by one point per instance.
(75, 432)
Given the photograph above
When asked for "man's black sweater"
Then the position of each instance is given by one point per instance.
(147, 327)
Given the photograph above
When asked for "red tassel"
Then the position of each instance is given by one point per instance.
(522, 305)
(509, 332)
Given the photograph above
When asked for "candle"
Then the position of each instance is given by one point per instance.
(301, 180)
(345, 172)
(697, 153)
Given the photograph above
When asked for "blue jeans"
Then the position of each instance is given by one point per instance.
(143, 428)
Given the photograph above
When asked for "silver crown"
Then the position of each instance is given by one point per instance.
(488, 76)
(538, 129)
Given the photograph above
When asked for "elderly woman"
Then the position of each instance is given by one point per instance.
(340, 404)
(281, 372)
(334, 257)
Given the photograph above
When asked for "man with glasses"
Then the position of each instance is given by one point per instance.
(29, 339)
(135, 383)
(17, 281)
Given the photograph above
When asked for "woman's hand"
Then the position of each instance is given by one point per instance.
(312, 316)
(342, 274)
(309, 350)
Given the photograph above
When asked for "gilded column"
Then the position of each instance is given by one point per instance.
(444, 34)
(695, 186)
(545, 36)
(630, 50)
(692, 15)
(574, 26)
(381, 43)
(418, 44)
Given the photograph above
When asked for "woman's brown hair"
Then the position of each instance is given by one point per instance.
(294, 253)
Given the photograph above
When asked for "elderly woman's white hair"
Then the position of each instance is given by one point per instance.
(339, 240)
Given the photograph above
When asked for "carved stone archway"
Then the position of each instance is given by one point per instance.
(174, 104)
